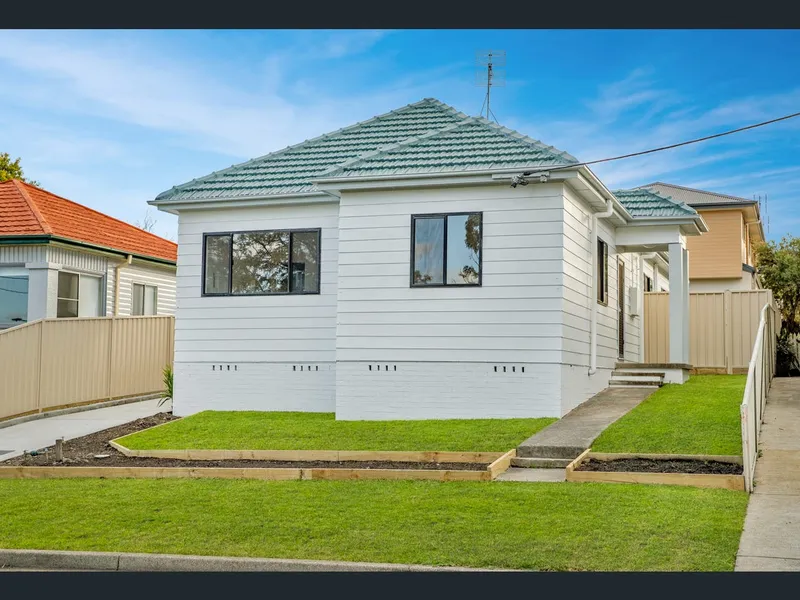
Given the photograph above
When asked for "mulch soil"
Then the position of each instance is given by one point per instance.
(81, 452)
(649, 465)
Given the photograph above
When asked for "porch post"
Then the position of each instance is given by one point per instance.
(678, 304)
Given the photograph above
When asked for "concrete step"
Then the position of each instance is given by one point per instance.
(541, 463)
(619, 373)
(541, 451)
(635, 384)
(638, 379)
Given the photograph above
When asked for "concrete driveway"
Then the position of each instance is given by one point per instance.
(41, 433)
(771, 537)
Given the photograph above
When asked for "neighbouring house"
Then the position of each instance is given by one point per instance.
(723, 259)
(421, 264)
(61, 259)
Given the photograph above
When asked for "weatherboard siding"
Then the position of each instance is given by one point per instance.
(163, 279)
(281, 349)
(577, 385)
(717, 254)
(416, 353)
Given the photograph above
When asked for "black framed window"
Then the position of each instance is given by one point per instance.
(602, 272)
(446, 249)
(648, 283)
(257, 263)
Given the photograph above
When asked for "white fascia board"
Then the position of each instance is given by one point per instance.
(277, 200)
(694, 225)
(654, 237)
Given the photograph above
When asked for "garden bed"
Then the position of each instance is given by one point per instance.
(649, 465)
(697, 471)
(97, 455)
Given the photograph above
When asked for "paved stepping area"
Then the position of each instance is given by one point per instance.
(575, 432)
(525, 474)
(771, 537)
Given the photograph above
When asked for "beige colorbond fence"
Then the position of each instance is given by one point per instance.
(54, 363)
(722, 328)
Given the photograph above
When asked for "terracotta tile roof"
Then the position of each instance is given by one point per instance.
(28, 210)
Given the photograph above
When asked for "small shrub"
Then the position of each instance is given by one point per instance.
(786, 362)
(167, 393)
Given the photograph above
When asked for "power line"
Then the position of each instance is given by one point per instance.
(671, 146)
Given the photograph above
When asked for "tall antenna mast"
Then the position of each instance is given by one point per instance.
(491, 72)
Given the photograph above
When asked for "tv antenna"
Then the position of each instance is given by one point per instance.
(490, 73)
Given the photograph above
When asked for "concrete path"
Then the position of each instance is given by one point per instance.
(576, 431)
(532, 474)
(41, 433)
(771, 537)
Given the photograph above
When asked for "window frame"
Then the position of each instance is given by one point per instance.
(76, 300)
(288, 292)
(602, 282)
(144, 291)
(101, 300)
(444, 216)
(647, 283)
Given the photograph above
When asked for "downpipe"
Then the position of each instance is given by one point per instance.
(593, 300)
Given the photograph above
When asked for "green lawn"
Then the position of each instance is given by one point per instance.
(545, 526)
(698, 417)
(245, 430)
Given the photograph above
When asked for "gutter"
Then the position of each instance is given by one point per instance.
(23, 240)
(593, 320)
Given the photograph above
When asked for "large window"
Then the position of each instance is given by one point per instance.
(145, 299)
(254, 263)
(602, 272)
(78, 295)
(13, 296)
(446, 249)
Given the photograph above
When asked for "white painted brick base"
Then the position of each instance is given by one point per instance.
(577, 386)
(254, 386)
(406, 390)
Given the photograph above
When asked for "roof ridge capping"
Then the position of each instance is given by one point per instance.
(20, 185)
(334, 171)
(331, 172)
(696, 190)
(528, 139)
(216, 174)
(682, 205)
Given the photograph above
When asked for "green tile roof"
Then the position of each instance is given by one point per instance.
(474, 144)
(645, 203)
(426, 137)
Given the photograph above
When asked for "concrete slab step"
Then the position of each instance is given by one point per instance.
(541, 463)
(637, 374)
(630, 383)
(639, 378)
(546, 451)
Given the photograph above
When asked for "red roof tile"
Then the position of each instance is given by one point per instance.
(28, 210)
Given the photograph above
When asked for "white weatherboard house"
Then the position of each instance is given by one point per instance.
(390, 270)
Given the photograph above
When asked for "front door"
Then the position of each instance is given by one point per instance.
(621, 307)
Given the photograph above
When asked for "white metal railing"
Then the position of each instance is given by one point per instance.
(760, 372)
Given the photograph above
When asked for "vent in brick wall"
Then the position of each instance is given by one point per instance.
(383, 367)
(509, 369)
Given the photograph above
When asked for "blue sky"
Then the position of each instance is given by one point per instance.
(112, 118)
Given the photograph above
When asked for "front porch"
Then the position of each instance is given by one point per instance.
(668, 240)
